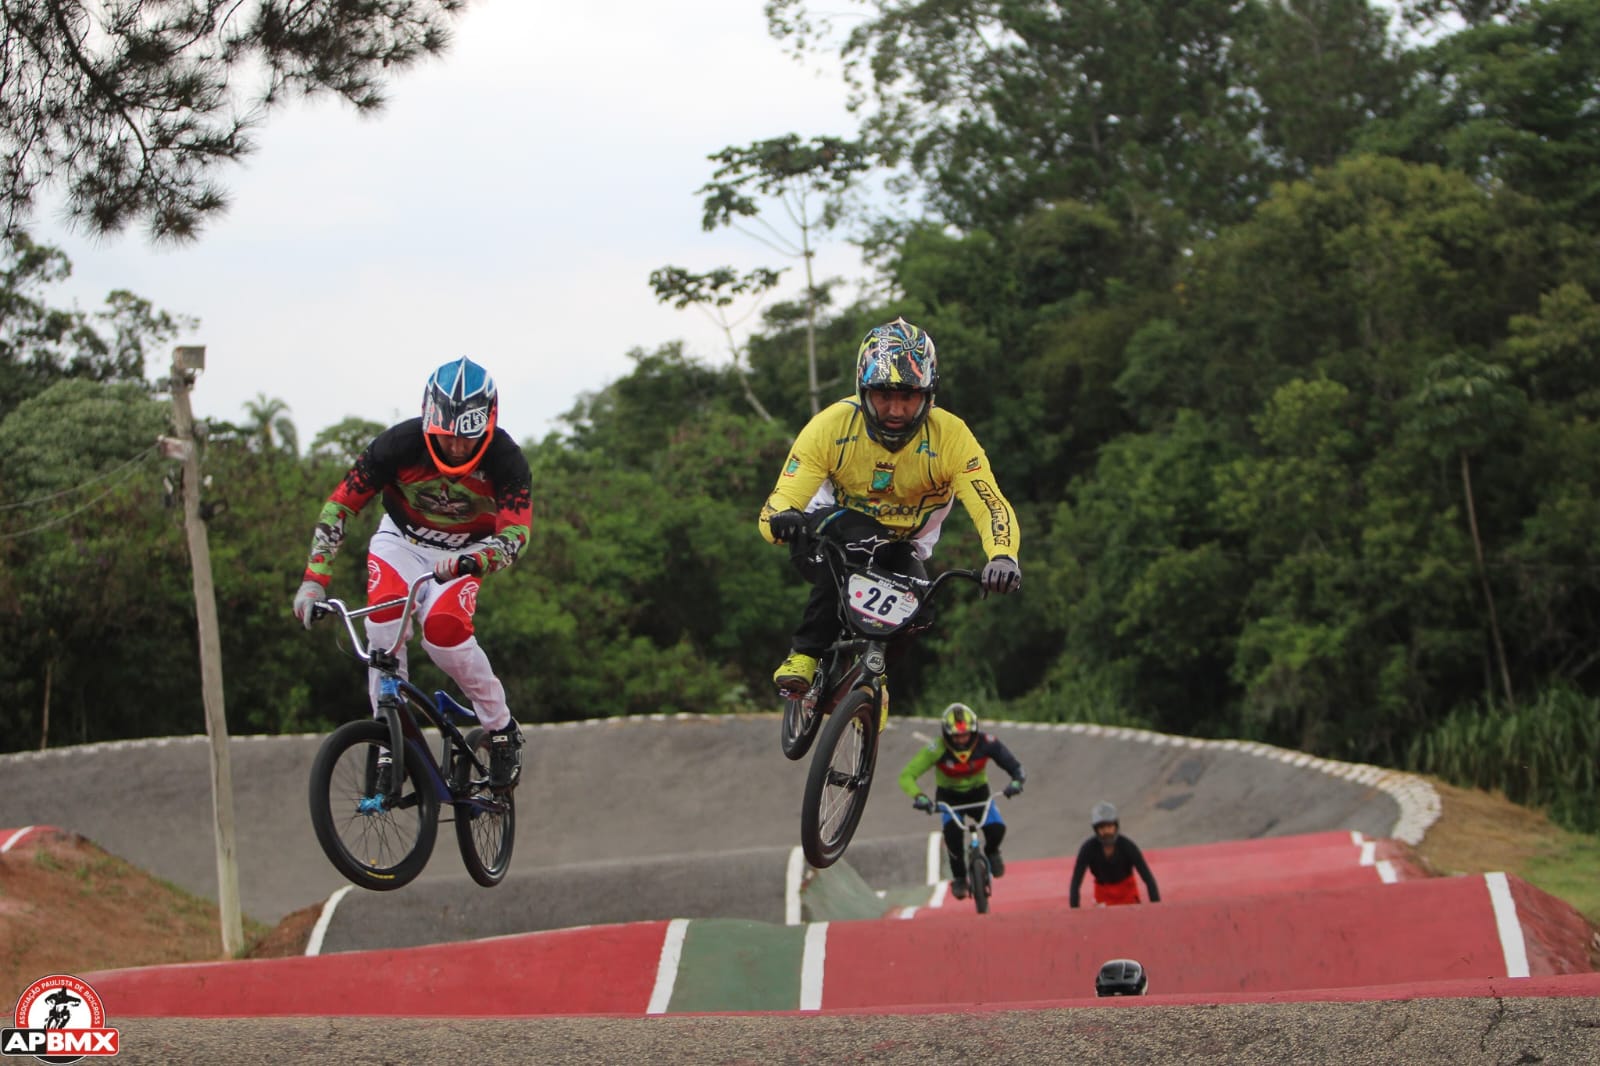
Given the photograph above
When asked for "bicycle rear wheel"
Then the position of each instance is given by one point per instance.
(980, 880)
(839, 779)
(486, 824)
(378, 842)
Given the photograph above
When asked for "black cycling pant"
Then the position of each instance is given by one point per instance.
(859, 535)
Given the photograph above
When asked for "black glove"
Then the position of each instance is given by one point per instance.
(923, 804)
(786, 525)
(1001, 574)
(1013, 789)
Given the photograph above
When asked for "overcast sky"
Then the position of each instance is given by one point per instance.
(508, 204)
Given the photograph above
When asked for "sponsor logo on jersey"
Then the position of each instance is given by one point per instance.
(975, 463)
(441, 538)
(791, 466)
(999, 513)
(924, 449)
(883, 477)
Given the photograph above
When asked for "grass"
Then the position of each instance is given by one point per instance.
(1481, 832)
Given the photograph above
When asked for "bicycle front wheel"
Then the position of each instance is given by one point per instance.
(839, 779)
(378, 841)
(486, 821)
(799, 728)
(980, 880)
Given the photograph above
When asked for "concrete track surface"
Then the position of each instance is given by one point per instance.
(647, 821)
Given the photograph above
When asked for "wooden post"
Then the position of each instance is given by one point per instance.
(186, 361)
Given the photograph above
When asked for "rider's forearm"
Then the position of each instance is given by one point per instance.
(326, 539)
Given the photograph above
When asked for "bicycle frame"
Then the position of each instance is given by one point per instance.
(395, 693)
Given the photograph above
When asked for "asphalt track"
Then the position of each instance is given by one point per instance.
(646, 819)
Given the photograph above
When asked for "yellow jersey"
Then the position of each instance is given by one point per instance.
(911, 491)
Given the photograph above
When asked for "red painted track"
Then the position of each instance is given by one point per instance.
(1290, 917)
(1293, 918)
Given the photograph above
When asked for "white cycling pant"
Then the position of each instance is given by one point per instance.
(465, 663)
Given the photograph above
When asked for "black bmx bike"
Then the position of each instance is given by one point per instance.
(376, 787)
(878, 609)
(980, 878)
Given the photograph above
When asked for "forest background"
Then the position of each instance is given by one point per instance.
(1276, 319)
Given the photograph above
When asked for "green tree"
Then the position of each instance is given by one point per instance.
(41, 344)
(809, 183)
(133, 108)
(268, 427)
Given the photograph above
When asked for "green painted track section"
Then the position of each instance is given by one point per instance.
(731, 965)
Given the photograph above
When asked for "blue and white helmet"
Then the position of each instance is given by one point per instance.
(460, 401)
(896, 356)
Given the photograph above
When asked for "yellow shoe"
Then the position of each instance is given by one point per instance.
(794, 676)
(883, 703)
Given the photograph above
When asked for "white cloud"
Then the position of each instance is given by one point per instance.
(508, 204)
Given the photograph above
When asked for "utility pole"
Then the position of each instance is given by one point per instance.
(186, 363)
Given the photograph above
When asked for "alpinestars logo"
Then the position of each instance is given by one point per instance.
(59, 1019)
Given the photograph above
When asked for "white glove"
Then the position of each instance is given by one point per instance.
(310, 592)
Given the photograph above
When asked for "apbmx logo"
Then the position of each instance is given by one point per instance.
(59, 1019)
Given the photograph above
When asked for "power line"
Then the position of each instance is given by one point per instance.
(141, 457)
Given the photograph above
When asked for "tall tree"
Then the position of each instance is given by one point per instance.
(133, 107)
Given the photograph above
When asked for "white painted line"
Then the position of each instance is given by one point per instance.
(906, 912)
(937, 900)
(1387, 873)
(811, 968)
(1369, 852)
(12, 840)
(935, 849)
(1505, 919)
(320, 930)
(1355, 837)
(791, 886)
(667, 968)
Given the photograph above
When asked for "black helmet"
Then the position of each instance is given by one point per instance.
(896, 356)
(1121, 977)
(460, 400)
(959, 725)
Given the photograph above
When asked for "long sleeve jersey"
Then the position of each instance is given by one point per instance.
(1124, 859)
(911, 491)
(488, 509)
(952, 773)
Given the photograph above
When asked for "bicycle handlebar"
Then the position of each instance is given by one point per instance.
(956, 811)
(349, 615)
(809, 540)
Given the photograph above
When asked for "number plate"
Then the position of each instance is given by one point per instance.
(880, 602)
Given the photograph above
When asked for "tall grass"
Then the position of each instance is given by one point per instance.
(1542, 754)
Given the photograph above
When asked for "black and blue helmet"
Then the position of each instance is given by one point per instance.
(460, 401)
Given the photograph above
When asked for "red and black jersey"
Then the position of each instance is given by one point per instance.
(489, 508)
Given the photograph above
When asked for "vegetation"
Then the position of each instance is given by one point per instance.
(1279, 326)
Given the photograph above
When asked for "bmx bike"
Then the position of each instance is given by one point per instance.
(376, 787)
(879, 609)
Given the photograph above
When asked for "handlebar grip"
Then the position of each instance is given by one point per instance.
(468, 566)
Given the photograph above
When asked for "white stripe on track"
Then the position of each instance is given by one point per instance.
(667, 968)
(811, 967)
(14, 838)
(1505, 919)
(320, 930)
(935, 850)
(791, 886)
(1387, 873)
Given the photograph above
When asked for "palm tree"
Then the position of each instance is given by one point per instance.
(267, 426)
